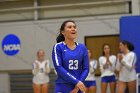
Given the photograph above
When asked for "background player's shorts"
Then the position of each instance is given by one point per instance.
(108, 79)
(64, 88)
(90, 83)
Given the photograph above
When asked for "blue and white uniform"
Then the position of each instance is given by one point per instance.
(107, 74)
(126, 68)
(40, 75)
(90, 80)
(71, 66)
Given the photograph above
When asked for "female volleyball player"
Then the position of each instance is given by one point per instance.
(90, 81)
(126, 67)
(70, 60)
(40, 73)
(107, 66)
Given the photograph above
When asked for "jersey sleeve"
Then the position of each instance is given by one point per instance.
(118, 65)
(57, 61)
(85, 65)
(113, 63)
(101, 64)
(129, 61)
(47, 67)
(34, 69)
(93, 66)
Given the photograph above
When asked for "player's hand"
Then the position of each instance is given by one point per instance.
(105, 65)
(81, 86)
(120, 57)
(107, 59)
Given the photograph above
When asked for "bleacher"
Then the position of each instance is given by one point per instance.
(21, 82)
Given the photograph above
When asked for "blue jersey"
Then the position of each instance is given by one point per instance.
(71, 66)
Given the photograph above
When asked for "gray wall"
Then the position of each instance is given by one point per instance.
(42, 35)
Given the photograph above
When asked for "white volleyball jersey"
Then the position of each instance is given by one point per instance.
(40, 76)
(126, 68)
(92, 68)
(109, 71)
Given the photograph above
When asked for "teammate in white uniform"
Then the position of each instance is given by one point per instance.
(107, 67)
(126, 67)
(90, 81)
(40, 73)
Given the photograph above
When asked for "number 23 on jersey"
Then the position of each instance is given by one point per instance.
(73, 64)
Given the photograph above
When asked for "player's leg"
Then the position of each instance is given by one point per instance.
(132, 86)
(113, 87)
(92, 87)
(121, 87)
(37, 88)
(103, 87)
(45, 88)
(104, 83)
(112, 83)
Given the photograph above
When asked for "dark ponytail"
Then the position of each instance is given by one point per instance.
(61, 37)
(128, 44)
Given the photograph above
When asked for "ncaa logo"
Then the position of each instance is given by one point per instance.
(11, 45)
